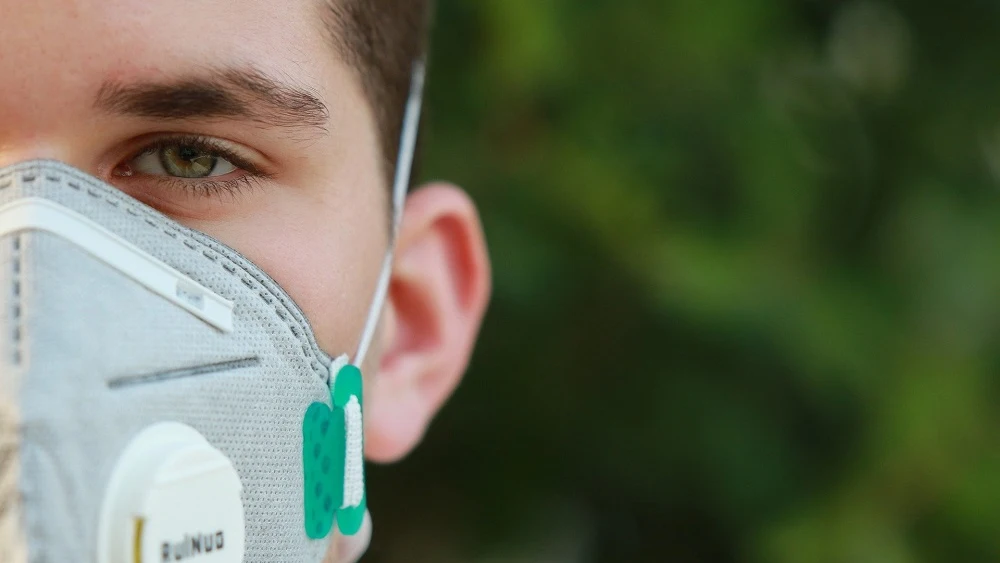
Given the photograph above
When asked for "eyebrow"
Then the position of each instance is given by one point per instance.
(237, 93)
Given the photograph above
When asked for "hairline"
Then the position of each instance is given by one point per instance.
(382, 62)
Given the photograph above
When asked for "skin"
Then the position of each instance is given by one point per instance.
(317, 222)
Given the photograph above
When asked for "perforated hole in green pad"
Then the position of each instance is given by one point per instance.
(323, 455)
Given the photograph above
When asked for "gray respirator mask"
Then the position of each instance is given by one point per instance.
(161, 397)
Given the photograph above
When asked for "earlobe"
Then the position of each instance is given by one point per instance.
(438, 295)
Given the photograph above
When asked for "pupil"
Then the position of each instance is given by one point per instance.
(188, 153)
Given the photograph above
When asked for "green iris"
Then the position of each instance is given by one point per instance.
(187, 162)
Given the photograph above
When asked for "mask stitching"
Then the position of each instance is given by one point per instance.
(17, 330)
(249, 282)
(282, 308)
(32, 524)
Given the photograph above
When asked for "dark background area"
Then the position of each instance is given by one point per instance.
(746, 285)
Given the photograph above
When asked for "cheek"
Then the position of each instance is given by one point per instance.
(325, 254)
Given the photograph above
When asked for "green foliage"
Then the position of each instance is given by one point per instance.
(746, 280)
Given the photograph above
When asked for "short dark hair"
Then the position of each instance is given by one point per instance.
(381, 39)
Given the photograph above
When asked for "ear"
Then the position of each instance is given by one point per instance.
(437, 297)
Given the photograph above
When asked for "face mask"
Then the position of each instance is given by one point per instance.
(161, 398)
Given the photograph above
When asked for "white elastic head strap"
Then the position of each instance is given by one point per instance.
(400, 185)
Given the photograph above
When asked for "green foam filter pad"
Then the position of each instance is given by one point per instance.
(333, 456)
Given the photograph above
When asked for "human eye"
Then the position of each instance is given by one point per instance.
(180, 160)
(189, 165)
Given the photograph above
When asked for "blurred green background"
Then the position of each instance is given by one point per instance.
(746, 285)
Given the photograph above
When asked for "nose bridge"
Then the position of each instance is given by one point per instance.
(42, 118)
(46, 116)
(52, 128)
(35, 111)
(24, 144)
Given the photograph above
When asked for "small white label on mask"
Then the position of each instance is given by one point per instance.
(191, 295)
(172, 497)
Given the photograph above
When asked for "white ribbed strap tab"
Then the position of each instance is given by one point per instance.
(354, 463)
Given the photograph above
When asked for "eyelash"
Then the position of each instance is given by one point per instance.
(251, 178)
(212, 188)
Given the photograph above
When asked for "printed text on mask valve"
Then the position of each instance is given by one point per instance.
(193, 545)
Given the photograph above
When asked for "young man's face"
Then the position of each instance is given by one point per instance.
(238, 118)
(318, 224)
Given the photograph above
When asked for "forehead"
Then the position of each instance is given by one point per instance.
(73, 42)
